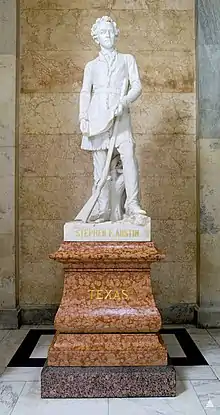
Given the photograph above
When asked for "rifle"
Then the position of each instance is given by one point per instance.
(87, 209)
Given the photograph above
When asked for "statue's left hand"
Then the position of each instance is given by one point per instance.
(119, 110)
(84, 127)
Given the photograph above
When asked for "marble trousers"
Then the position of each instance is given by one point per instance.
(130, 173)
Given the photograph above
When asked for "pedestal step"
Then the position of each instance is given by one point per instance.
(107, 350)
(107, 382)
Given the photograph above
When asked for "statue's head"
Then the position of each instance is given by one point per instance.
(105, 32)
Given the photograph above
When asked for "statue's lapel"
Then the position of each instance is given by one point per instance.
(111, 61)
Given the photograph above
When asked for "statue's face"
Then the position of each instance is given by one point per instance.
(106, 35)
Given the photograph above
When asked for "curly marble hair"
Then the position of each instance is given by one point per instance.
(95, 27)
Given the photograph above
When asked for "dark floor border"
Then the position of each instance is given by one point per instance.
(22, 356)
(193, 355)
(183, 313)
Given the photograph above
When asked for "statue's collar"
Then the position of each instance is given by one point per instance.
(107, 55)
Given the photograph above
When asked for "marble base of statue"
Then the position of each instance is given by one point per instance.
(107, 341)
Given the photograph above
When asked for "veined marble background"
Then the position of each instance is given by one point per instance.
(56, 176)
(7, 152)
(208, 53)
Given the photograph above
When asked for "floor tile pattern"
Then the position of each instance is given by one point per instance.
(194, 352)
(182, 350)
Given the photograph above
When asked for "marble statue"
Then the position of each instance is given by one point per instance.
(102, 102)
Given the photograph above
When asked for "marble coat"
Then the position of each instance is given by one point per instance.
(100, 96)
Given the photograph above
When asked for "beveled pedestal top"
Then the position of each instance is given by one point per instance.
(107, 251)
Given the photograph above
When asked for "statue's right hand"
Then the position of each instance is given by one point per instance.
(84, 127)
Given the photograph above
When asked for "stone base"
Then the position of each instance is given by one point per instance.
(108, 382)
(107, 350)
(208, 317)
(10, 318)
(180, 313)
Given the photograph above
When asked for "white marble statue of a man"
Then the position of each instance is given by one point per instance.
(100, 103)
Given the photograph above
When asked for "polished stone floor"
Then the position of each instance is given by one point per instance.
(194, 352)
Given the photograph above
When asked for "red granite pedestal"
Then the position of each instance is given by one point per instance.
(107, 325)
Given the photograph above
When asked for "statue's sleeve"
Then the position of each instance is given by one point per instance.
(134, 80)
(85, 93)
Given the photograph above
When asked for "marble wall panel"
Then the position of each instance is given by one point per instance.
(70, 29)
(36, 247)
(178, 239)
(7, 99)
(8, 27)
(166, 71)
(169, 207)
(208, 22)
(40, 278)
(64, 4)
(210, 270)
(53, 155)
(166, 291)
(6, 245)
(209, 221)
(112, 4)
(209, 186)
(164, 160)
(57, 198)
(7, 283)
(50, 30)
(178, 4)
(156, 142)
(169, 197)
(48, 198)
(7, 270)
(7, 161)
(7, 204)
(7, 155)
(7, 73)
(209, 106)
(153, 4)
(165, 197)
(209, 62)
(208, 68)
(162, 30)
(61, 113)
(209, 133)
(62, 71)
(53, 71)
(40, 283)
(156, 113)
(164, 113)
(150, 5)
(209, 124)
(60, 155)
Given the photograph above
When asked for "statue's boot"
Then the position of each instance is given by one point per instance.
(134, 209)
(99, 217)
